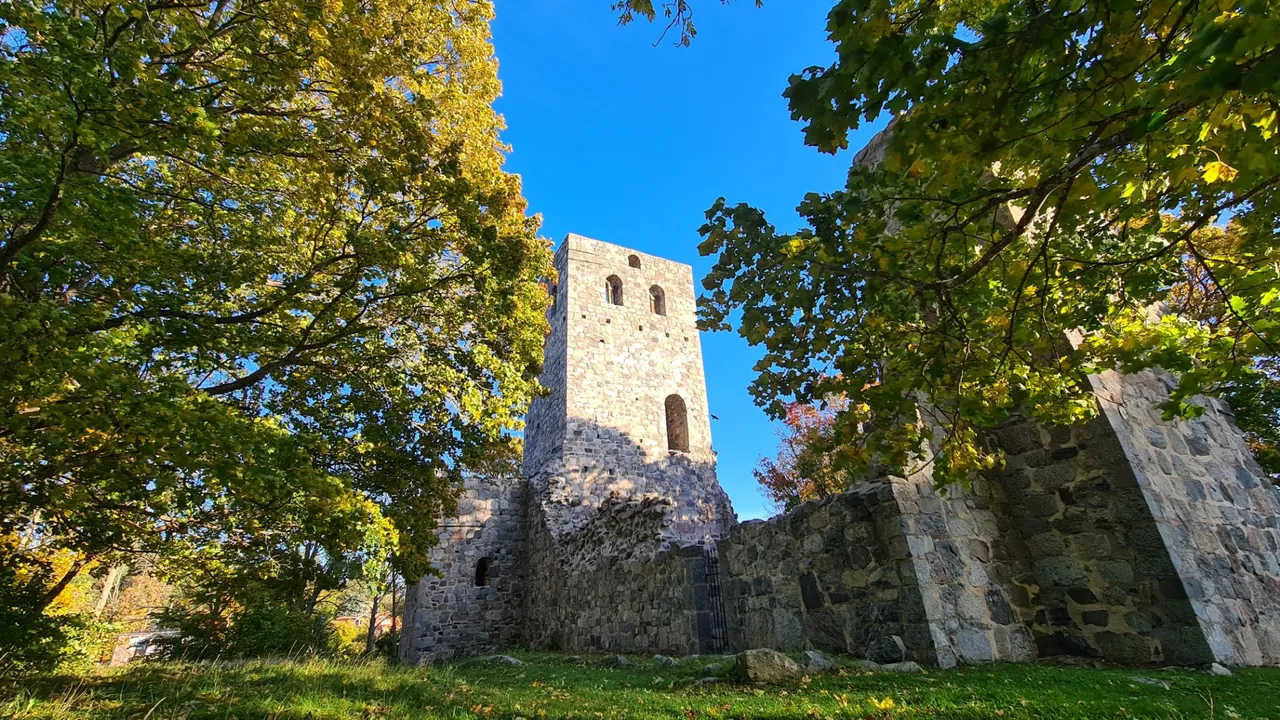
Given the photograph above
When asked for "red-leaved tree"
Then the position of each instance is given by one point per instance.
(803, 469)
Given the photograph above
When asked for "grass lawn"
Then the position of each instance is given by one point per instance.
(552, 686)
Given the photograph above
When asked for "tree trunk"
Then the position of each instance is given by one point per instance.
(53, 592)
(110, 586)
(373, 623)
(395, 607)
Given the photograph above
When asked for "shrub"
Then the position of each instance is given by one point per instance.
(258, 626)
(388, 645)
(346, 640)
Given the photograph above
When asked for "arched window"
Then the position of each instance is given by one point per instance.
(657, 301)
(634, 261)
(482, 572)
(677, 424)
(613, 290)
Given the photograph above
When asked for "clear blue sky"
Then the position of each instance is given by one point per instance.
(626, 142)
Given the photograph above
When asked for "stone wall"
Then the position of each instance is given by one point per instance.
(545, 423)
(827, 575)
(1127, 538)
(642, 598)
(960, 546)
(1216, 513)
(1091, 576)
(889, 558)
(450, 615)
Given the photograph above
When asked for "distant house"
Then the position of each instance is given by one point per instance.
(130, 646)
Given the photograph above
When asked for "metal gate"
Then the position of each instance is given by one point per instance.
(717, 637)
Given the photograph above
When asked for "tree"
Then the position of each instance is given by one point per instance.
(1254, 397)
(261, 272)
(1048, 173)
(677, 13)
(802, 469)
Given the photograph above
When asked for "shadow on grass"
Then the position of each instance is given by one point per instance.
(553, 687)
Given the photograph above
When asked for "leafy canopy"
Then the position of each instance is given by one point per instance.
(1049, 173)
(263, 280)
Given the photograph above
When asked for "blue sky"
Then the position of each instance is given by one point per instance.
(626, 142)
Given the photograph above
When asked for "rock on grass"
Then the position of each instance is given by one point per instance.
(765, 666)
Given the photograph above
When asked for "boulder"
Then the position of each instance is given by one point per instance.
(663, 660)
(906, 666)
(622, 661)
(886, 649)
(712, 669)
(765, 666)
(503, 659)
(1219, 670)
(816, 662)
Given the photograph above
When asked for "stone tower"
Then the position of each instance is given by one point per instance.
(607, 540)
(627, 413)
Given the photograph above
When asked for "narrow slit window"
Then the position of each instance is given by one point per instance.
(634, 261)
(613, 290)
(677, 424)
(482, 573)
(657, 300)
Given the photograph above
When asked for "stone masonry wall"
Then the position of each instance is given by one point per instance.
(959, 545)
(642, 599)
(450, 616)
(1091, 574)
(1153, 543)
(546, 420)
(1216, 513)
(888, 558)
(830, 575)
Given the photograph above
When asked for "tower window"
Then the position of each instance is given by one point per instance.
(482, 573)
(677, 424)
(613, 290)
(657, 301)
(634, 261)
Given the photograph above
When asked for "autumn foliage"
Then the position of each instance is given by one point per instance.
(803, 469)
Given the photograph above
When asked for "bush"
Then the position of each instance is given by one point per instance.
(34, 641)
(259, 626)
(346, 640)
(30, 641)
(388, 646)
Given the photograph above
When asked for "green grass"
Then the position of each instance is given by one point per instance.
(553, 687)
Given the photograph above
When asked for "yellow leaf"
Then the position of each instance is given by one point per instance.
(1129, 189)
(1218, 170)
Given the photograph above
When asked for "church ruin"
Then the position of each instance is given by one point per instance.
(1130, 538)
